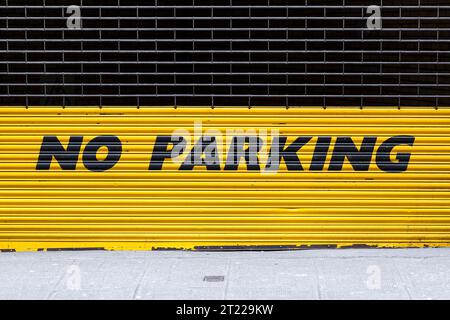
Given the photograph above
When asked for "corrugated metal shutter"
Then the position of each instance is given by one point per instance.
(393, 188)
(225, 53)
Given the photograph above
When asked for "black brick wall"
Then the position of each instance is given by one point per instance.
(225, 52)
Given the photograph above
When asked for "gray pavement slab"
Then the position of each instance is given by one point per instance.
(188, 275)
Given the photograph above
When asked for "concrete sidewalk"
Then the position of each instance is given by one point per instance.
(309, 274)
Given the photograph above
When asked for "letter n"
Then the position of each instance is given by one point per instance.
(52, 148)
(359, 159)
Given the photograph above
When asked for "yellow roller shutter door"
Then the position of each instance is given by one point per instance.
(129, 178)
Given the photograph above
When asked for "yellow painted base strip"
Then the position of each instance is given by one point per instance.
(146, 246)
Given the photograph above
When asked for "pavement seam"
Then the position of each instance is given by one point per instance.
(53, 292)
(225, 294)
(140, 280)
(318, 282)
(402, 278)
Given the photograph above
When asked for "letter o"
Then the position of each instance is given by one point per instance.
(90, 160)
